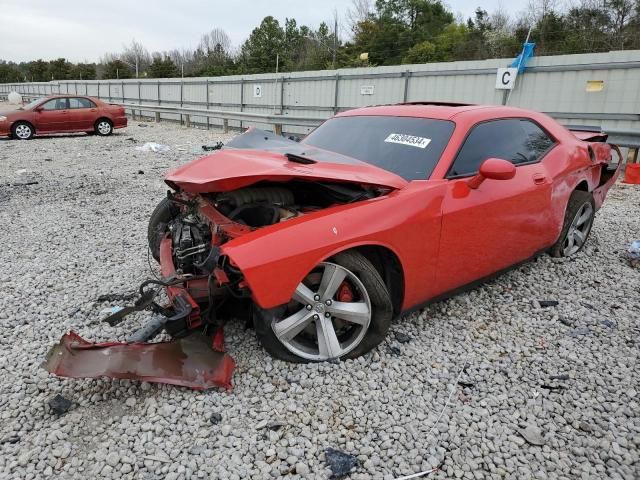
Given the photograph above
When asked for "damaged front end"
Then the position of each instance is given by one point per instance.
(215, 200)
(196, 283)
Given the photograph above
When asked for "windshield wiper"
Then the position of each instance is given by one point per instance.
(292, 157)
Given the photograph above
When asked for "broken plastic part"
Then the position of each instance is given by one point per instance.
(188, 362)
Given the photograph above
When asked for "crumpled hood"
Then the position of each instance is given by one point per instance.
(233, 168)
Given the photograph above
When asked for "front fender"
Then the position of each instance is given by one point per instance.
(274, 260)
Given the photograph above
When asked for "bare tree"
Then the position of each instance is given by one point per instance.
(500, 21)
(216, 40)
(359, 11)
(136, 55)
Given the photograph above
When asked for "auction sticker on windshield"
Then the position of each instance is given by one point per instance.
(410, 140)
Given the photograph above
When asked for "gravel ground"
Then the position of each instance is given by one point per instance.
(567, 374)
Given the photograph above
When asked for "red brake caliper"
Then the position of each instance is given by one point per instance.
(345, 293)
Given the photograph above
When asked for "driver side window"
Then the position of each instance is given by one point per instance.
(517, 140)
(55, 104)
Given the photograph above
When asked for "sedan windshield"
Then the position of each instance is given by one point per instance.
(407, 146)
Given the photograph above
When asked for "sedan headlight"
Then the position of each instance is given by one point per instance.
(3, 119)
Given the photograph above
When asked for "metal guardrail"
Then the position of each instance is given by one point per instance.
(275, 119)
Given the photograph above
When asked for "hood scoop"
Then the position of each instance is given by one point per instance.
(292, 157)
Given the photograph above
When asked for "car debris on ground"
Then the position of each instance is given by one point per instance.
(340, 463)
(59, 404)
(153, 147)
(211, 148)
(633, 254)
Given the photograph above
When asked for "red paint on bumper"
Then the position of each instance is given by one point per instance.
(187, 362)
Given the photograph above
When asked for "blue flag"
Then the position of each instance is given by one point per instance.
(527, 52)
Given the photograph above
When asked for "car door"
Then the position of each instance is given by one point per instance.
(82, 113)
(502, 222)
(53, 116)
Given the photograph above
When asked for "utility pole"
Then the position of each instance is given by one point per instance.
(335, 40)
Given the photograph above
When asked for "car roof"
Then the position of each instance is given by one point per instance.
(68, 95)
(439, 111)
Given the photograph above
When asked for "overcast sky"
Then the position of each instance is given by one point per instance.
(83, 30)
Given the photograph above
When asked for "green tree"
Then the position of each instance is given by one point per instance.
(116, 69)
(423, 52)
(258, 53)
(162, 67)
(59, 69)
(9, 72)
(83, 71)
(397, 26)
(37, 71)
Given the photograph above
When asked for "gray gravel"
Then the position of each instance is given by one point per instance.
(560, 376)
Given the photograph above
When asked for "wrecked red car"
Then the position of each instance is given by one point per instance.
(379, 210)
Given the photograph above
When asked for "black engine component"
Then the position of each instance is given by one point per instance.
(256, 214)
(191, 244)
(229, 201)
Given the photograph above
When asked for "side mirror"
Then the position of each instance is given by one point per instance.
(38, 109)
(494, 169)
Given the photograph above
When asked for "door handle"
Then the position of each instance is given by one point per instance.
(539, 178)
(64, 112)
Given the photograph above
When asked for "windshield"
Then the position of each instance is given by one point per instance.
(32, 104)
(407, 146)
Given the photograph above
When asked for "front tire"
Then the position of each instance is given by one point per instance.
(160, 218)
(342, 309)
(578, 221)
(22, 131)
(104, 127)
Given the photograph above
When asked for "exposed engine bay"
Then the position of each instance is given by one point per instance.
(193, 234)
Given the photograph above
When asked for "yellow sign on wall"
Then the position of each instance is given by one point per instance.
(595, 85)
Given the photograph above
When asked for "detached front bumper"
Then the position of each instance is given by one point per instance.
(194, 360)
(187, 362)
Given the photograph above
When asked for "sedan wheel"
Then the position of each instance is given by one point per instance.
(103, 127)
(341, 309)
(23, 131)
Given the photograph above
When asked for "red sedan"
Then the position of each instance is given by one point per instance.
(376, 212)
(62, 114)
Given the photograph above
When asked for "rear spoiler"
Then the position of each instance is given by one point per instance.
(588, 133)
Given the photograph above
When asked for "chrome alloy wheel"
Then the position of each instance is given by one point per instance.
(104, 127)
(319, 326)
(578, 230)
(23, 132)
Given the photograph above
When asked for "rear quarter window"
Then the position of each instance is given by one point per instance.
(81, 103)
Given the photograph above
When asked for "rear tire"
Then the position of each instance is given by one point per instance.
(22, 131)
(160, 218)
(578, 221)
(104, 127)
(361, 274)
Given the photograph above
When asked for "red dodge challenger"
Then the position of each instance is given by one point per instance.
(375, 213)
(62, 114)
